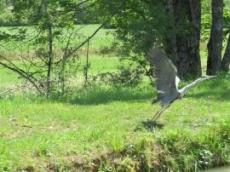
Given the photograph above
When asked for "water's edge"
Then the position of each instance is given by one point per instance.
(219, 169)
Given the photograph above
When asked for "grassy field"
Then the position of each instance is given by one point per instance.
(103, 39)
(108, 128)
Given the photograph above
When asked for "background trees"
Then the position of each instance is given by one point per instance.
(226, 58)
(216, 38)
(174, 25)
(47, 67)
(178, 27)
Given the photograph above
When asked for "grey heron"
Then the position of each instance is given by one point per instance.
(167, 80)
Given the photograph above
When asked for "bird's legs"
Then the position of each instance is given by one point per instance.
(158, 113)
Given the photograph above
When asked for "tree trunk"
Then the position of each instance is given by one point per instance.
(184, 45)
(50, 60)
(226, 59)
(194, 44)
(50, 51)
(216, 38)
(170, 42)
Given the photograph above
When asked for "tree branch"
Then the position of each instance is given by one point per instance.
(22, 73)
(85, 41)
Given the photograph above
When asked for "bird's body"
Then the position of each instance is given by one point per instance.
(166, 77)
(167, 80)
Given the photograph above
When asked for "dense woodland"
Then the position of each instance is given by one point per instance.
(76, 85)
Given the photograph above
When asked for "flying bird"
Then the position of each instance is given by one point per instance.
(167, 80)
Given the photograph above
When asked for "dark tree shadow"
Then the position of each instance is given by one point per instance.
(149, 125)
(216, 89)
(214, 94)
(103, 96)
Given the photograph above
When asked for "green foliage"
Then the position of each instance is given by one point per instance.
(227, 19)
(206, 19)
(174, 151)
(7, 18)
(48, 74)
(126, 76)
(139, 24)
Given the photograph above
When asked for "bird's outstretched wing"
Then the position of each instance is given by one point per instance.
(166, 77)
(185, 89)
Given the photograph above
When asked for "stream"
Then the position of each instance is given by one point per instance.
(219, 169)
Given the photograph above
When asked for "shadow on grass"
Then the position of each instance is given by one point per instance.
(149, 125)
(216, 89)
(100, 95)
(91, 95)
(223, 95)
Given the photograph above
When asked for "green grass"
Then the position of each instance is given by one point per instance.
(108, 128)
(7, 78)
(100, 64)
(81, 128)
(103, 39)
(36, 133)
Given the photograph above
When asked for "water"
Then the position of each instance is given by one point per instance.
(219, 169)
